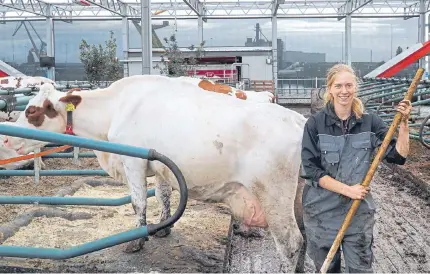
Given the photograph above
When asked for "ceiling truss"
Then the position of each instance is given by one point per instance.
(68, 10)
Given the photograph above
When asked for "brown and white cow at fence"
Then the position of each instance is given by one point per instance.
(245, 155)
(8, 153)
(11, 83)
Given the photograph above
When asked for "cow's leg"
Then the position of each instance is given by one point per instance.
(135, 172)
(298, 209)
(279, 208)
(163, 192)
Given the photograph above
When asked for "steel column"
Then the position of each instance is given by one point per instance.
(146, 36)
(348, 39)
(50, 44)
(423, 35)
(275, 54)
(200, 29)
(426, 38)
(125, 36)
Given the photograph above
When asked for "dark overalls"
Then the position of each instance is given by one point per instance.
(342, 150)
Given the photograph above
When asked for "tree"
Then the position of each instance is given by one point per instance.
(100, 63)
(176, 64)
(399, 50)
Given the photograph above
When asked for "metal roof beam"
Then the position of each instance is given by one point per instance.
(30, 6)
(225, 9)
(130, 10)
(196, 6)
(413, 9)
(276, 4)
(35, 7)
(292, 9)
(354, 6)
(109, 5)
(115, 7)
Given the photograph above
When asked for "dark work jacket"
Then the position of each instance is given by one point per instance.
(344, 153)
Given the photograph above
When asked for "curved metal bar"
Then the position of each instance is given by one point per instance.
(144, 231)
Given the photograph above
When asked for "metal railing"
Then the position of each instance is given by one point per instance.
(298, 87)
(119, 238)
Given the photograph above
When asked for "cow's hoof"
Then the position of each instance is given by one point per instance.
(163, 233)
(135, 245)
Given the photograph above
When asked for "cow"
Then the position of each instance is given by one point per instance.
(242, 154)
(8, 153)
(23, 82)
(249, 95)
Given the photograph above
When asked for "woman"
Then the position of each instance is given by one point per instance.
(337, 146)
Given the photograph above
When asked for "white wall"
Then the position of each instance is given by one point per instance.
(258, 68)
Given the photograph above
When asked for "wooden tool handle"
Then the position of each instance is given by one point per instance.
(370, 173)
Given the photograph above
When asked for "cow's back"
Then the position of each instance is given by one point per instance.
(183, 107)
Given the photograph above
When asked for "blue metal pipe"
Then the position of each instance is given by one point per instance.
(70, 155)
(61, 254)
(69, 200)
(73, 140)
(58, 172)
(20, 108)
(15, 91)
(20, 101)
(151, 229)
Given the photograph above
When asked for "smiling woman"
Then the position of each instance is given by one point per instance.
(343, 81)
(337, 146)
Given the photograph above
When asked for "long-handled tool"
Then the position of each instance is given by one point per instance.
(370, 173)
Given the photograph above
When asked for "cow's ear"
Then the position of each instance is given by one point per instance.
(70, 98)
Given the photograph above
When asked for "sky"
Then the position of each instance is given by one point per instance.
(371, 37)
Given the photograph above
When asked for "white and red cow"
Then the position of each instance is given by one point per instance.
(8, 153)
(15, 82)
(23, 81)
(245, 155)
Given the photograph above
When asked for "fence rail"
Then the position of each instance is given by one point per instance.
(119, 238)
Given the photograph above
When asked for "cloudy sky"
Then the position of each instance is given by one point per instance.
(370, 37)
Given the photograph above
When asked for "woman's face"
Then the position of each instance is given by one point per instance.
(343, 89)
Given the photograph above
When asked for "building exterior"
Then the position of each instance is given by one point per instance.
(259, 42)
(229, 63)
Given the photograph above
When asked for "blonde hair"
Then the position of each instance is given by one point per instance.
(357, 105)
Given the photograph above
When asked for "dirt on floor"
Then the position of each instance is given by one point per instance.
(196, 244)
(418, 161)
(48, 185)
(402, 229)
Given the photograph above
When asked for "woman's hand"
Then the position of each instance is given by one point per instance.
(404, 107)
(357, 192)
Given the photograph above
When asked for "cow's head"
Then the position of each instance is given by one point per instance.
(45, 111)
